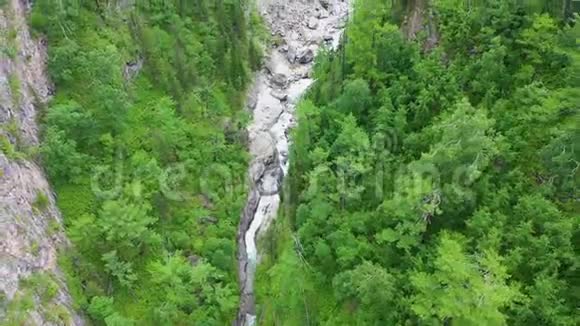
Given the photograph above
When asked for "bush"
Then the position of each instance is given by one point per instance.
(41, 202)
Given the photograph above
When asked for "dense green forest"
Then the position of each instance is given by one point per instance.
(433, 179)
(144, 144)
(435, 185)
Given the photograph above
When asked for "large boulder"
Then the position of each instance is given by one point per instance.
(322, 14)
(279, 95)
(263, 148)
(271, 181)
(279, 80)
(305, 56)
(291, 54)
(312, 23)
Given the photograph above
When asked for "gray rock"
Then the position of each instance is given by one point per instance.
(322, 14)
(205, 201)
(263, 148)
(324, 3)
(294, 35)
(208, 220)
(279, 95)
(133, 68)
(271, 180)
(328, 37)
(291, 54)
(256, 171)
(314, 39)
(252, 101)
(269, 66)
(305, 56)
(194, 260)
(279, 80)
(312, 23)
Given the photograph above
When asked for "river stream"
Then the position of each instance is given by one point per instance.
(300, 28)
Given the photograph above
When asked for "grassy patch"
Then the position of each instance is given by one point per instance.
(75, 288)
(54, 227)
(75, 200)
(9, 149)
(9, 44)
(3, 303)
(41, 288)
(18, 309)
(13, 128)
(14, 84)
(58, 315)
(41, 202)
(9, 51)
(41, 284)
(35, 248)
(12, 34)
(16, 149)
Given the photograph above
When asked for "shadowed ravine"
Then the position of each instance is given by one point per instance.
(304, 26)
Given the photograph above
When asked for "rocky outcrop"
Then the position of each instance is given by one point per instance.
(419, 19)
(303, 26)
(32, 291)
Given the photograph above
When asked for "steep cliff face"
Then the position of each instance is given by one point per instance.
(419, 19)
(32, 291)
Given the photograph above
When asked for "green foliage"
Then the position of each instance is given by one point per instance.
(290, 292)
(460, 290)
(435, 186)
(8, 148)
(58, 314)
(43, 285)
(64, 162)
(14, 84)
(141, 143)
(18, 309)
(125, 224)
(370, 287)
(39, 292)
(12, 143)
(101, 307)
(75, 199)
(41, 202)
(69, 264)
(122, 271)
(185, 287)
(8, 36)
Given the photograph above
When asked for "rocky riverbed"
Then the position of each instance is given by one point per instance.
(299, 29)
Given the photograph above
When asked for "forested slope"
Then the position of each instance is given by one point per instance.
(435, 186)
(144, 144)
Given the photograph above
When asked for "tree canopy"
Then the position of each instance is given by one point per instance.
(435, 185)
(144, 144)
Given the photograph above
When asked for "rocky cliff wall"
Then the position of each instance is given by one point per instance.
(32, 291)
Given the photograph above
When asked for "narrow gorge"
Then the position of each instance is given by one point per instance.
(289, 162)
(299, 29)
